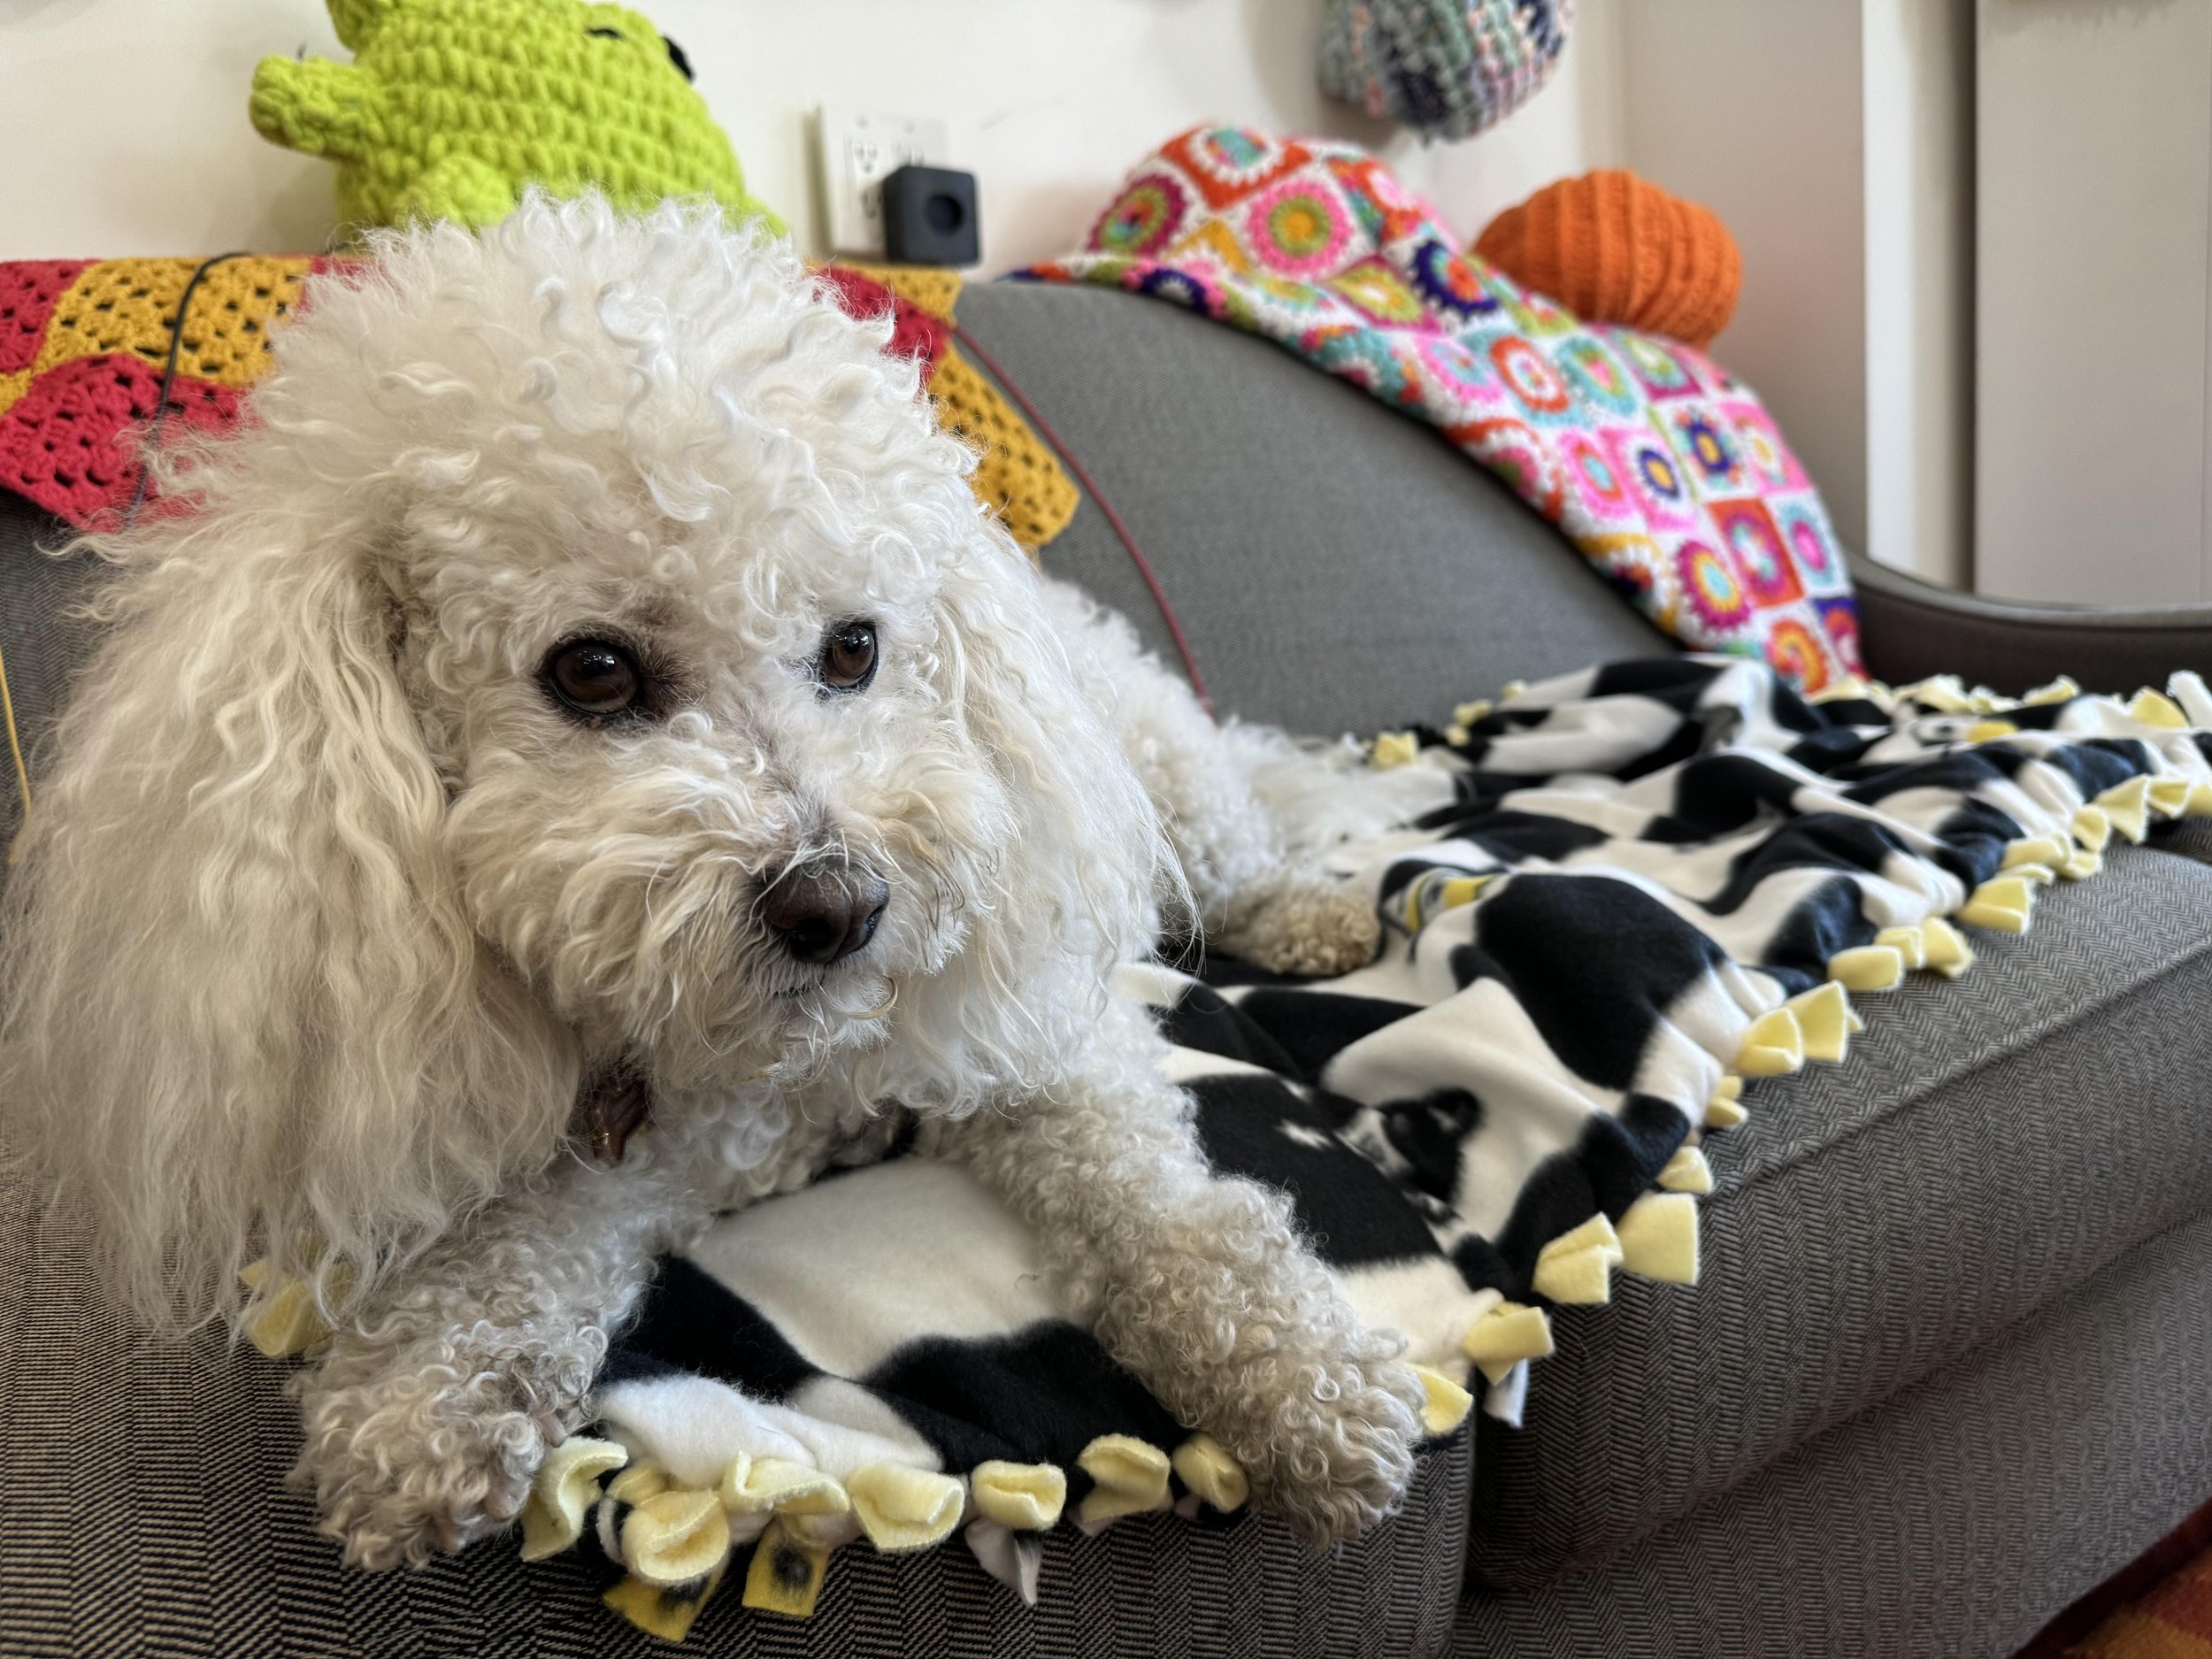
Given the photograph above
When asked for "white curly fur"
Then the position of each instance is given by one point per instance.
(328, 908)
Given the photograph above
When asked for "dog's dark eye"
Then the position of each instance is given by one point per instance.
(848, 660)
(594, 677)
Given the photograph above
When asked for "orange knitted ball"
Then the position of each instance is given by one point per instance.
(1613, 249)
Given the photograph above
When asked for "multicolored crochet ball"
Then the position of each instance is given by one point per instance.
(1444, 68)
(1613, 248)
(450, 107)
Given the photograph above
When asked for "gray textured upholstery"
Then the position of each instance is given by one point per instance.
(2189, 838)
(144, 1511)
(1952, 1521)
(1911, 630)
(40, 642)
(1337, 566)
(1990, 1144)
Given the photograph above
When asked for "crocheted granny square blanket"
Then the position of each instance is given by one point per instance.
(1641, 888)
(86, 345)
(1666, 471)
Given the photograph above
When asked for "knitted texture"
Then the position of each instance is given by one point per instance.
(2173, 1621)
(83, 346)
(1662, 469)
(1614, 248)
(82, 349)
(28, 293)
(450, 107)
(917, 331)
(1016, 476)
(929, 287)
(130, 305)
(1445, 68)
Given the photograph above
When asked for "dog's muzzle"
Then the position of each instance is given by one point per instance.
(824, 911)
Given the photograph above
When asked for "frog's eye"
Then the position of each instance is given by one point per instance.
(676, 55)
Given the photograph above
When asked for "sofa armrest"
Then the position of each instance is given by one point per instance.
(1911, 629)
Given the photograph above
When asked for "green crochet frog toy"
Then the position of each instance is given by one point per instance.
(450, 107)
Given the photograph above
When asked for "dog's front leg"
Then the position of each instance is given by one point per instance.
(1201, 1286)
(1252, 814)
(429, 1416)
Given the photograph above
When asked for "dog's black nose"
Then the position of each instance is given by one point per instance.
(825, 911)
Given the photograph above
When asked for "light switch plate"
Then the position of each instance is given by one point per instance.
(853, 154)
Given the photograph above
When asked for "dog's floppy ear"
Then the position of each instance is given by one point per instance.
(1082, 874)
(247, 1012)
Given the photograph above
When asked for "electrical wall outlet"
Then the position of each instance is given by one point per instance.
(853, 155)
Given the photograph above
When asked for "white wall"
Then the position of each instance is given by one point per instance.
(2095, 215)
(128, 130)
(1754, 107)
(1048, 101)
(1917, 72)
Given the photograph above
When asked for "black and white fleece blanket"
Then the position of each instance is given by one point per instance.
(1654, 883)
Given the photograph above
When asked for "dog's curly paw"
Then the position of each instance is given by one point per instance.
(1332, 1453)
(419, 1458)
(1311, 926)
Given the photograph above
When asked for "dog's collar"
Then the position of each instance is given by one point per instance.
(614, 1102)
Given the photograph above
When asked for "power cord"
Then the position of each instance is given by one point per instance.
(1090, 488)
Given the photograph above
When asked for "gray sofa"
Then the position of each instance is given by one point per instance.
(1944, 1370)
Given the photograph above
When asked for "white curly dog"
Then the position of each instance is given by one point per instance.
(585, 686)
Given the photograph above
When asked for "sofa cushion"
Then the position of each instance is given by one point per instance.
(143, 1509)
(1337, 565)
(1954, 1519)
(1987, 1147)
